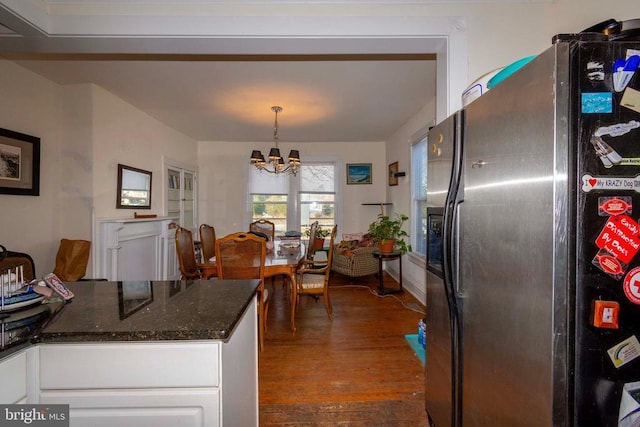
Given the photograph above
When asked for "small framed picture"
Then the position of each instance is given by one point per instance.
(19, 163)
(359, 173)
(393, 170)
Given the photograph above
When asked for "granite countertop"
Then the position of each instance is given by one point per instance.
(138, 311)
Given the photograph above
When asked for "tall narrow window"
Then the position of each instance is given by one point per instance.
(269, 197)
(419, 197)
(317, 195)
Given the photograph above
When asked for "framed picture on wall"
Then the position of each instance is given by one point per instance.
(19, 163)
(393, 170)
(359, 173)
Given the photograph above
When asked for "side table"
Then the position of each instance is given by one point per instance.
(383, 256)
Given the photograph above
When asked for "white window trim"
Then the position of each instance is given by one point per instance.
(418, 136)
(292, 202)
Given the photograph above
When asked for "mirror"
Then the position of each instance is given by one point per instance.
(134, 188)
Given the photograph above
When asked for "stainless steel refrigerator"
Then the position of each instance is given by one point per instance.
(533, 278)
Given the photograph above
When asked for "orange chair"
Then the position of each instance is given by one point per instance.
(242, 256)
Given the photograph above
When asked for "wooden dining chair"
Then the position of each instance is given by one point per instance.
(265, 227)
(312, 239)
(242, 256)
(313, 278)
(207, 242)
(186, 255)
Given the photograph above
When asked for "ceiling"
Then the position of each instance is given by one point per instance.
(228, 97)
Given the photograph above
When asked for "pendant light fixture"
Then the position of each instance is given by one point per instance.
(276, 163)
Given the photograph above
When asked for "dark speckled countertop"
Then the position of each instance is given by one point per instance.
(143, 311)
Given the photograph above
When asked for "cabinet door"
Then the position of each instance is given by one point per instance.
(13, 372)
(181, 196)
(139, 408)
(174, 185)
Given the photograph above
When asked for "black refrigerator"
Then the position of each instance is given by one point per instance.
(533, 273)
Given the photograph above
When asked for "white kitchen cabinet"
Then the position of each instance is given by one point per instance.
(13, 371)
(161, 383)
(19, 376)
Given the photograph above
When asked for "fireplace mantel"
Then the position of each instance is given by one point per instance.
(135, 249)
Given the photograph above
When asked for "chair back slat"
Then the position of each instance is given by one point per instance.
(186, 254)
(265, 227)
(207, 242)
(312, 239)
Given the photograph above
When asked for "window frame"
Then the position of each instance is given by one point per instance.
(418, 201)
(294, 193)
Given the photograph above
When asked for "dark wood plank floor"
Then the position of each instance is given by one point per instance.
(356, 370)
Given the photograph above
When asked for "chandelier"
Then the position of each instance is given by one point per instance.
(276, 163)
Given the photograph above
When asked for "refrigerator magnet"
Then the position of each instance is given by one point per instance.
(624, 352)
(623, 71)
(631, 99)
(597, 102)
(595, 71)
(632, 286)
(617, 129)
(604, 314)
(590, 182)
(616, 205)
(609, 264)
(619, 237)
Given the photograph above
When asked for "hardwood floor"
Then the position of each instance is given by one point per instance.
(356, 370)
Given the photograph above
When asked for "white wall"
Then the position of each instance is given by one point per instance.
(223, 167)
(398, 149)
(27, 223)
(123, 134)
(85, 132)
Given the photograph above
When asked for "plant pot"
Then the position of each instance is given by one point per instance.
(387, 246)
(318, 244)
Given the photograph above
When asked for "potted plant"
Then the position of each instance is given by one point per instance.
(388, 232)
(321, 234)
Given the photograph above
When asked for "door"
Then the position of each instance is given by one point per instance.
(181, 196)
(512, 288)
(438, 369)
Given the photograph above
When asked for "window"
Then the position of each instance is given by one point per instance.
(269, 198)
(317, 195)
(272, 207)
(419, 196)
(293, 203)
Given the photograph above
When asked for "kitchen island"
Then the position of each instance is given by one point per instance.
(146, 353)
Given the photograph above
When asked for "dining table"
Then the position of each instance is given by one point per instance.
(281, 260)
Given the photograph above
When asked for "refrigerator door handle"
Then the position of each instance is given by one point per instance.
(450, 263)
(455, 249)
